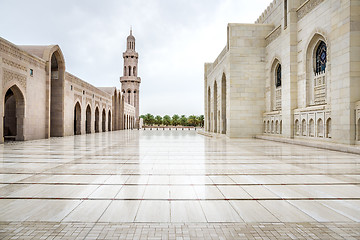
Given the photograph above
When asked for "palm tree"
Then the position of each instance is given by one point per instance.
(167, 120)
(149, 119)
(192, 120)
(175, 120)
(201, 120)
(183, 120)
(158, 120)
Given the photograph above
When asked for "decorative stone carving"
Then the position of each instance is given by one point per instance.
(20, 55)
(14, 64)
(10, 75)
(307, 7)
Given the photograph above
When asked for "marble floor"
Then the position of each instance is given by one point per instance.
(175, 177)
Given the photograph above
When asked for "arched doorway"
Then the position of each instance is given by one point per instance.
(209, 110)
(88, 119)
(103, 120)
(223, 103)
(14, 113)
(109, 121)
(215, 107)
(97, 116)
(56, 95)
(77, 119)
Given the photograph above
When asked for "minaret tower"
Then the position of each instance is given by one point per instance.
(130, 82)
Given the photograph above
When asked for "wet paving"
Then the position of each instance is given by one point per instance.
(176, 179)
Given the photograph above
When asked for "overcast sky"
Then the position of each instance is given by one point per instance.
(173, 38)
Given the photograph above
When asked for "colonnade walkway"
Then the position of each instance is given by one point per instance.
(138, 184)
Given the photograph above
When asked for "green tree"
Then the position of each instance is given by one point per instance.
(192, 120)
(183, 120)
(149, 119)
(175, 120)
(167, 120)
(158, 120)
(201, 120)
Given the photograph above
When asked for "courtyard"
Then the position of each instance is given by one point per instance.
(173, 184)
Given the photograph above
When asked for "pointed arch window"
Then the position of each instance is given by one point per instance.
(321, 55)
(278, 76)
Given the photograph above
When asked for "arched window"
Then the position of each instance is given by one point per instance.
(320, 58)
(280, 127)
(320, 128)
(297, 127)
(134, 71)
(277, 127)
(328, 128)
(278, 76)
(265, 127)
(129, 70)
(272, 126)
(303, 127)
(129, 96)
(124, 71)
(268, 126)
(311, 128)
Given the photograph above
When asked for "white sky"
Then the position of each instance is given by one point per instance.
(173, 38)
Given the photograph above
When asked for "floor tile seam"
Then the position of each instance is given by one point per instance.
(192, 164)
(180, 199)
(181, 174)
(181, 185)
(289, 201)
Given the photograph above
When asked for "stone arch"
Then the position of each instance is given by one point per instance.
(128, 96)
(311, 128)
(265, 127)
(277, 127)
(320, 128)
(209, 109)
(109, 120)
(77, 118)
(328, 128)
(272, 126)
(215, 107)
(88, 119)
(223, 104)
(358, 130)
(297, 127)
(315, 82)
(14, 114)
(268, 130)
(103, 121)
(97, 119)
(275, 90)
(57, 76)
(303, 127)
(129, 70)
(134, 71)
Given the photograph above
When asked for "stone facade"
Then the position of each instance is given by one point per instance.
(294, 73)
(41, 100)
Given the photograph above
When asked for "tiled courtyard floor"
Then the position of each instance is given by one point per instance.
(176, 185)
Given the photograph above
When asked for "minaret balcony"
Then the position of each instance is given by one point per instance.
(130, 79)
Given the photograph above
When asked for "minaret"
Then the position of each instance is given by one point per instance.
(130, 82)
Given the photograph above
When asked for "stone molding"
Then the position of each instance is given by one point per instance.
(307, 7)
(9, 76)
(273, 35)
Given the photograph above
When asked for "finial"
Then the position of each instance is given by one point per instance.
(130, 30)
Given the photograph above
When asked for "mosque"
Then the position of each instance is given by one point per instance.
(41, 100)
(293, 74)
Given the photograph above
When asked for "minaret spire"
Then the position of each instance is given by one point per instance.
(130, 82)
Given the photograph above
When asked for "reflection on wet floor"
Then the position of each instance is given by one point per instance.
(175, 176)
